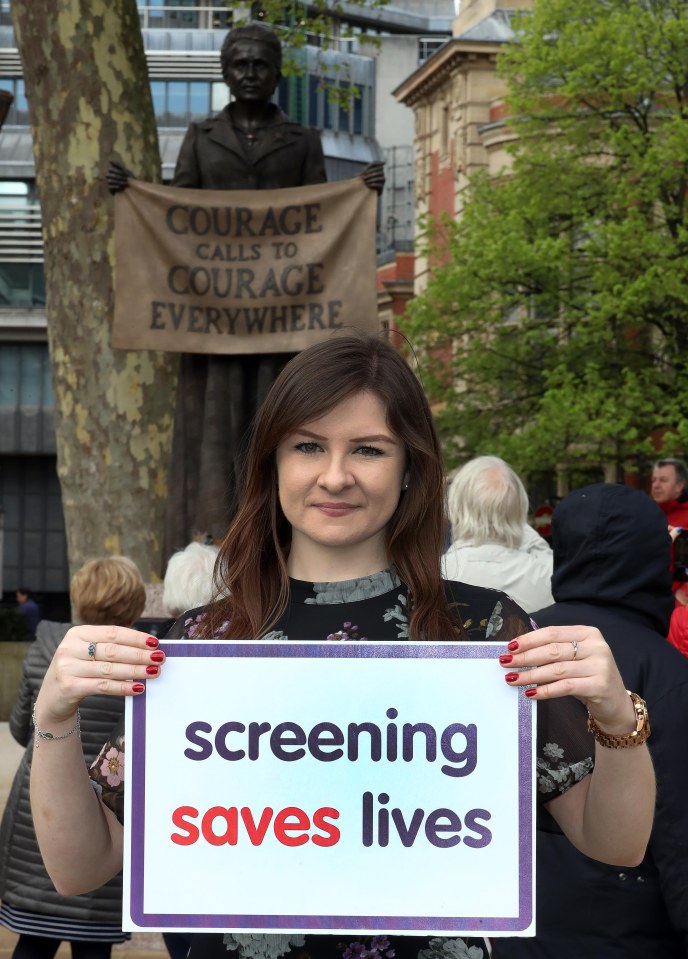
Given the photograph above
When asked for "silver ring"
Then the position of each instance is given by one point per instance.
(92, 650)
(575, 648)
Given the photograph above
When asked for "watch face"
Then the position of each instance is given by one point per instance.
(641, 714)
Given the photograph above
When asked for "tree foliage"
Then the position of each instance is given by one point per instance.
(298, 23)
(89, 100)
(557, 326)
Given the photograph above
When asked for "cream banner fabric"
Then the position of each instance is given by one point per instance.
(263, 271)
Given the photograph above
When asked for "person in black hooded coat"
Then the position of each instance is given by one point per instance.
(611, 570)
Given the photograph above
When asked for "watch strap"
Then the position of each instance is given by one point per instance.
(639, 735)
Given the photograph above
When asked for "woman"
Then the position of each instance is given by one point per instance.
(339, 536)
(108, 590)
(492, 543)
(189, 578)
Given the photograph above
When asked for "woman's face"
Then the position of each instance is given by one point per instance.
(340, 478)
(251, 72)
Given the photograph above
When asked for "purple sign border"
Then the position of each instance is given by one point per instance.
(273, 923)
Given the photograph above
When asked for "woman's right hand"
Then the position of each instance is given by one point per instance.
(117, 177)
(96, 660)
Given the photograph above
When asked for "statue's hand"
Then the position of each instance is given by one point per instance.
(117, 177)
(374, 176)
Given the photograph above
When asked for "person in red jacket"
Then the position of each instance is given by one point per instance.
(678, 629)
(669, 483)
(670, 492)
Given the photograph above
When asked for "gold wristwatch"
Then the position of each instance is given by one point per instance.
(639, 735)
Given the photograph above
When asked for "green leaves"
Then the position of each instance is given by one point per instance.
(557, 329)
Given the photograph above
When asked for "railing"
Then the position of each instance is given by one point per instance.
(182, 16)
(207, 17)
(21, 240)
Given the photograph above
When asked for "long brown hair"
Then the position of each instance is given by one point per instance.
(251, 572)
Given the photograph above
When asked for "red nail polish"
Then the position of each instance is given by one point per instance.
(138, 688)
(158, 657)
(513, 646)
(152, 670)
(152, 641)
(505, 659)
(531, 692)
(511, 677)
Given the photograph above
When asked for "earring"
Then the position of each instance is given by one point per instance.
(405, 484)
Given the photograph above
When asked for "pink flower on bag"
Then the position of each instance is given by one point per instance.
(113, 767)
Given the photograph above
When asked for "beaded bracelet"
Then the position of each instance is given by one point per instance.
(41, 734)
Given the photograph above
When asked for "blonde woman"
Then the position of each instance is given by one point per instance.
(108, 590)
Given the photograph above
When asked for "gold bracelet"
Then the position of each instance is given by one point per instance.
(42, 734)
(639, 735)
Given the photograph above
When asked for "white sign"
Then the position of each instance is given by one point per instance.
(344, 787)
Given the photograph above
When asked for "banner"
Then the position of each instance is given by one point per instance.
(234, 271)
(343, 787)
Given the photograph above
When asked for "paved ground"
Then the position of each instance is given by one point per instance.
(142, 946)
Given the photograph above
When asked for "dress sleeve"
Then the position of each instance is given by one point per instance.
(507, 621)
(186, 625)
(107, 772)
(564, 748)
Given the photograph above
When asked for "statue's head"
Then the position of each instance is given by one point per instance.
(252, 49)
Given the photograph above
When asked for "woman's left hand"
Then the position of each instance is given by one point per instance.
(571, 661)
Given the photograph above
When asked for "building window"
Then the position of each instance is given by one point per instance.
(199, 99)
(25, 380)
(427, 46)
(178, 102)
(184, 14)
(177, 107)
(35, 546)
(158, 95)
(22, 285)
(358, 111)
(22, 282)
(329, 110)
(18, 113)
(314, 102)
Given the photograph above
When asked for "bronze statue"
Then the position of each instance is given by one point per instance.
(250, 144)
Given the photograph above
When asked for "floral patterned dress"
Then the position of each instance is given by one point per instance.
(375, 607)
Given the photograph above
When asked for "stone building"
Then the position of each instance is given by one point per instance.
(457, 101)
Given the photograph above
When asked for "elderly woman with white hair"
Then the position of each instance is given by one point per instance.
(492, 543)
(189, 578)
